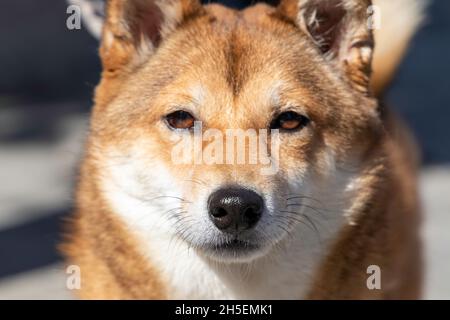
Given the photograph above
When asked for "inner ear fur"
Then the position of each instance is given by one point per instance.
(341, 32)
(133, 29)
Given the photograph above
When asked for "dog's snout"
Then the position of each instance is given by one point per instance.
(234, 210)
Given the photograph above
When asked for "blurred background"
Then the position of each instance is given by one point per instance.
(47, 77)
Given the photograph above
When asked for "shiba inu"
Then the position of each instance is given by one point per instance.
(342, 196)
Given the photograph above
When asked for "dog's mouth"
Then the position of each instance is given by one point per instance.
(235, 245)
(232, 250)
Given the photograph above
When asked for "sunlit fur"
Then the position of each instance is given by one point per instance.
(343, 198)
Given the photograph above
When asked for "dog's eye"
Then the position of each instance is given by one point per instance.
(180, 120)
(289, 121)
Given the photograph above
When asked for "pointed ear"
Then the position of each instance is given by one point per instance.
(133, 29)
(340, 30)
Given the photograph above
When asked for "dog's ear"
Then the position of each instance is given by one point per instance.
(133, 29)
(341, 30)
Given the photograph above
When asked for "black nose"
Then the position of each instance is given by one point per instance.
(235, 209)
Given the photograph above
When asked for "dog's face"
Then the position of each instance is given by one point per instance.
(170, 99)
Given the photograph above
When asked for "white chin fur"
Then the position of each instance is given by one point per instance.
(282, 271)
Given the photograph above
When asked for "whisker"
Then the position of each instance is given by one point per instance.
(302, 197)
(313, 225)
(171, 197)
(198, 181)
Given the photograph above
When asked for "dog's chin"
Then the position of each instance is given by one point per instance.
(233, 251)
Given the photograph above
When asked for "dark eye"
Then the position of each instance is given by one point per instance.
(180, 120)
(289, 121)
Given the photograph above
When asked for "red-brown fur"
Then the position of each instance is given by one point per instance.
(235, 54)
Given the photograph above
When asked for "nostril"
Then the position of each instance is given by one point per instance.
(219, 212)
(251, 212)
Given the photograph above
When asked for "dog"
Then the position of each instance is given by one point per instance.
(331, 213)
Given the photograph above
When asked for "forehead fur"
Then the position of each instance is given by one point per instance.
(245, 63)
(236, 50)
(241, 46)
